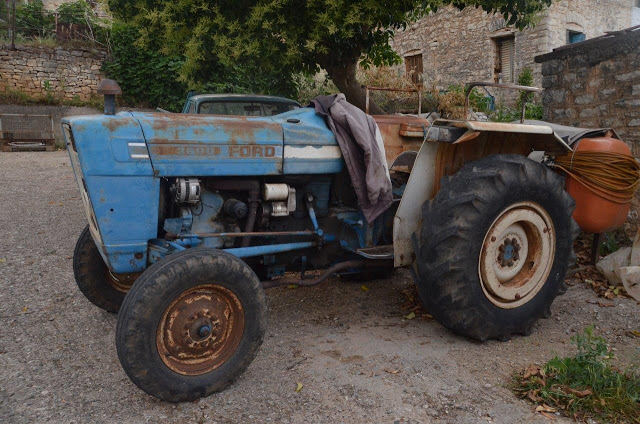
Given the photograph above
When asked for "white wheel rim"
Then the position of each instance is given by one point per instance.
(517, 255)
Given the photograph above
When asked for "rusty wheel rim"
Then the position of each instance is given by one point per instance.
(517, 255)
(120, 282)
(200, 329)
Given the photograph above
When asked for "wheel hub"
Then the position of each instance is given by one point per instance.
(200, 329)
(517, 255)
(120, 282)
(509, 252)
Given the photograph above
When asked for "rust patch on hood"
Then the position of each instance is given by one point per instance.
(118, 122)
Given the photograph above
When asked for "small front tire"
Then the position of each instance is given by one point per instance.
(103, 288)
(191, 324)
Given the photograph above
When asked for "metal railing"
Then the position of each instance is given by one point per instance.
(471, 85)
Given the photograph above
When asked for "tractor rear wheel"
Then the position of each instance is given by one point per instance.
(191, 324)
(98, 284)
(494, 247)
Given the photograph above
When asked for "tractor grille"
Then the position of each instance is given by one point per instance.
(82, 185)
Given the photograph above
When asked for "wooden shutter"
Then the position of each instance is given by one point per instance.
(507, 53)
(414, 68)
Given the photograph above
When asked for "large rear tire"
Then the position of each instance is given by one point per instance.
(494, 247)
(191, 324)
(103, 288)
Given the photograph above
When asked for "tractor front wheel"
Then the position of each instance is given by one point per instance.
(191, 324)
(494, 247)
(98, 284)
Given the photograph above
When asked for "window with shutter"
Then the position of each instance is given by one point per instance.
(413, 66)
(504, 59)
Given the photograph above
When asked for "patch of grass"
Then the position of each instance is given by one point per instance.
(584, 386)
(16, 97)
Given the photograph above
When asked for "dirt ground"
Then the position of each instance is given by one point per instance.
(359, 360)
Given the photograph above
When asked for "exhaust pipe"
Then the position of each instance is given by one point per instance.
(110, 89)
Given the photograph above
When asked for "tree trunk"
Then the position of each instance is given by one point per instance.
(344, 77)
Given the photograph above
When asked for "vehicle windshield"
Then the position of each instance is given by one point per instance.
(244, 108)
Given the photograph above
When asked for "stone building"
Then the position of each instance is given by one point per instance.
(454, 47)
(595, 84)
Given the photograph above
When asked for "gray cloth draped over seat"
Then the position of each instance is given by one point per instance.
(363, 150)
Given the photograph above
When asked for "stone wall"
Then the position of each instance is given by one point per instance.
(35, 71)
(595, 84)
(458, 46)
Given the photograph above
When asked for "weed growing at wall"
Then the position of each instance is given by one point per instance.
(15, 97)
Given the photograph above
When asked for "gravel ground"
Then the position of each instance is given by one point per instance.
(358, 359)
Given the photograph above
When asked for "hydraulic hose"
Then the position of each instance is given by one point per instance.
(612, 176)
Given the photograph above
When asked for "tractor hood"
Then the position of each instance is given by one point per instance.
(176, 144)
(210, 145)
(182, 144)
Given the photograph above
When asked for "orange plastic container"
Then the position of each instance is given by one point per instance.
(595, 214)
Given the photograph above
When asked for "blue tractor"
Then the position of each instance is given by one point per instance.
(191, 217)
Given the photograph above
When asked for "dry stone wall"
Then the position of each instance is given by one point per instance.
(37, 71)
(595, 84)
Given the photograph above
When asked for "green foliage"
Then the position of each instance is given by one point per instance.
(609, 244)
(48, 91)
(16, 97)
(146, 76)
(77, 12)
(150, 77)
(585, 385)
(613, 241)
(525, 77)
(503, 113)
(312, 86)
(285, 37)
(4, 15)
(32, 20)
(451, 102)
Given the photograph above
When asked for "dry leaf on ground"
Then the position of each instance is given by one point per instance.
(545, 408)
(530, 371)
(578, 393)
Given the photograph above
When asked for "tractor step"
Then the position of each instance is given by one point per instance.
(378, 252)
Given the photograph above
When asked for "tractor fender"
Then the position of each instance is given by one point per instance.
(442, 157)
